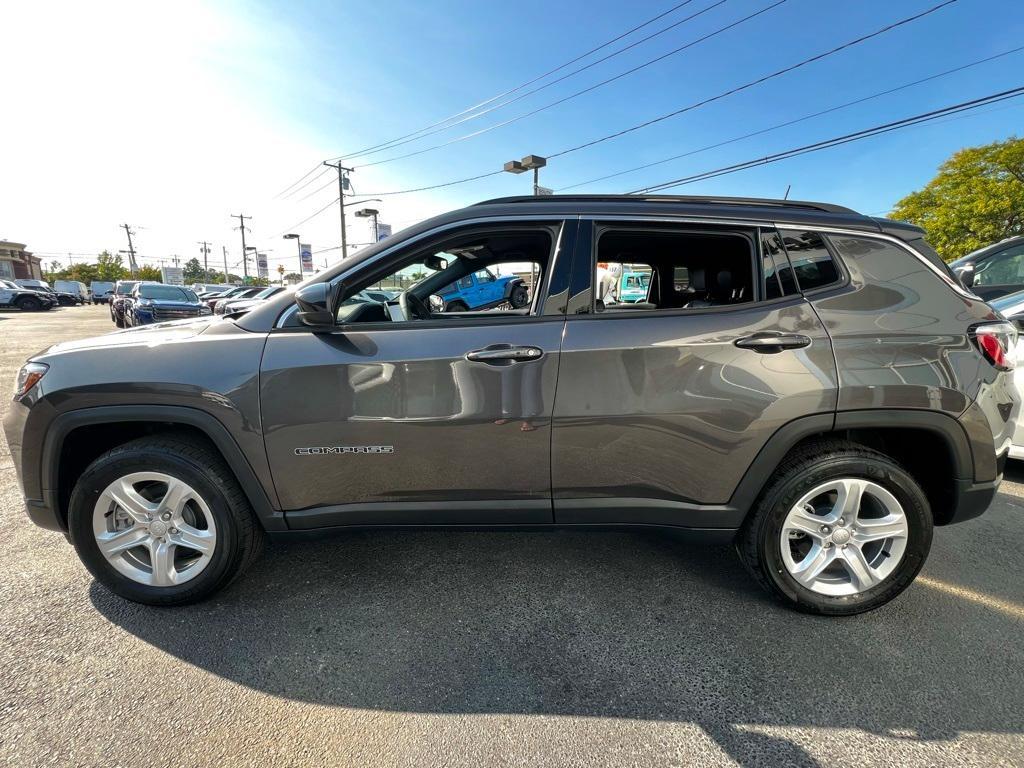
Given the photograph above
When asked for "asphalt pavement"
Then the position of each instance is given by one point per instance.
(493, 649)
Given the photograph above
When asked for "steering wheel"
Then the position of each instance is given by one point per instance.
(413, 306)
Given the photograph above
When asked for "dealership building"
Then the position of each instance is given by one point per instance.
(16, 263)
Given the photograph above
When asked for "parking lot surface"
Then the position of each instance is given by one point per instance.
(480, 649)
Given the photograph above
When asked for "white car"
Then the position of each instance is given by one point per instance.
(1011, 307)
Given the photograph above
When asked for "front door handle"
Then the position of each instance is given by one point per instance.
(770, 343)
(504, 353)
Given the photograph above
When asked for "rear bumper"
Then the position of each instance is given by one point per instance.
(971, 499)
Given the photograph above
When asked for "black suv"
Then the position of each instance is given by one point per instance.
(808, 383)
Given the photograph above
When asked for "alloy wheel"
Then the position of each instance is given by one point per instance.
(154, 528)
(844, 537)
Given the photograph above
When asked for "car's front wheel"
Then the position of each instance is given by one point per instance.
(29, 304)
(162, 521)
(842, 529)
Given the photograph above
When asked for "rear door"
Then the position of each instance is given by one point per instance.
(432, 421)
(660, 410)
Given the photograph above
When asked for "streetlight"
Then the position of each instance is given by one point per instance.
(298, 243)
(370, 213)
(529, 163)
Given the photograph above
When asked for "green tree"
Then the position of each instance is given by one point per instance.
(83, 273)
(293, 277)
(976, 199)
(193, 271)
(147, 272)
(110, 267)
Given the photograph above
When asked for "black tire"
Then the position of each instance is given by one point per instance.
(456, 306)
(806, 468)
(519, 297)
(29, 304)
(119, 321)
(239, 534)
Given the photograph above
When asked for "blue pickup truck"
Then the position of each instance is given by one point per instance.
(483, 290)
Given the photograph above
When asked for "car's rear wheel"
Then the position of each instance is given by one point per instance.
(519, 297)
(161, 521)
(842, 529)
(29, 304)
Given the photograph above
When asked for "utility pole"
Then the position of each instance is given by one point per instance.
(174, 258)
(343, 185)
(225, 249)
(241, 227)
(206, 250)
(131, 251)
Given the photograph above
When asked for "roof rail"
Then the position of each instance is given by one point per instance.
(753, 202)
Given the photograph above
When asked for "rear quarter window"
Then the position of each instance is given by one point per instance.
(811, 260)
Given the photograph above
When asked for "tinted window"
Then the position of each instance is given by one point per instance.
(1003, 268)
(165, 292)
(812, 263)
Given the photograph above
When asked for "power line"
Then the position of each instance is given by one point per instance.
(696, 105)
(557, 80)
(794, 121)
(302, 178)
(312, 180)
(549, 105)
(519, 87)
(758, 81)
(836, 141)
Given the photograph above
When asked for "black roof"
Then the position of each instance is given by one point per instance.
(797, 212)
(746, 202)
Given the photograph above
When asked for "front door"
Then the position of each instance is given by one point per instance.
(427, 419)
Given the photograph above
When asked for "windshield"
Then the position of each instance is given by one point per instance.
(166, 293)
(266, 293)
(126, 288)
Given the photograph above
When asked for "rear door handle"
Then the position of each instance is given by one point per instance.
(505, 354)
(769, 343)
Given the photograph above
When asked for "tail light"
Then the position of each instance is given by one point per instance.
(996, 342)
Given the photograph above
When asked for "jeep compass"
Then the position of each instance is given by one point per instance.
(805, 382)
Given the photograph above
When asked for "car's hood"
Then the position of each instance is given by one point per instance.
(144, 335)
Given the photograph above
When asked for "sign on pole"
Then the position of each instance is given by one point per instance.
(262, 269)
(307, 257)
(383, 231)
(172, 275)
(544, 190)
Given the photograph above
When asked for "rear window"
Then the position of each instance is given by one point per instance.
(813, 265)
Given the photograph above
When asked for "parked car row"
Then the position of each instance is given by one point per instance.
(143, 302)
(15, 296)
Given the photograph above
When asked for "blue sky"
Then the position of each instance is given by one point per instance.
(251, 96)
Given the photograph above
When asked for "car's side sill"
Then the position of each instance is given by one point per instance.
(520, 512)
(633, 511)
(702, 535)
(389, 513)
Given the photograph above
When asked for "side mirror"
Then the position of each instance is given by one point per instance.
(318, 304)
(965, 274)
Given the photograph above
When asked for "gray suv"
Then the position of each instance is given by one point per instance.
(803, 381)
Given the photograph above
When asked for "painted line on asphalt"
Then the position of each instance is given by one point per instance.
(1011, 609)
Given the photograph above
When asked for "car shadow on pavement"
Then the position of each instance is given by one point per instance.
(597, 624)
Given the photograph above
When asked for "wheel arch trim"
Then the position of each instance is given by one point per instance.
(789, 435)
(217, 433)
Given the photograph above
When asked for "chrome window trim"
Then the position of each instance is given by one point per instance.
(782, 223)
(662, 219)
(521, 218)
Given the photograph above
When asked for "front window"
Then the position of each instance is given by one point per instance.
(166, 293)
(1004, 268)
(471, 276)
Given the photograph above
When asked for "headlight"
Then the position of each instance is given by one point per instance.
(28, 376)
